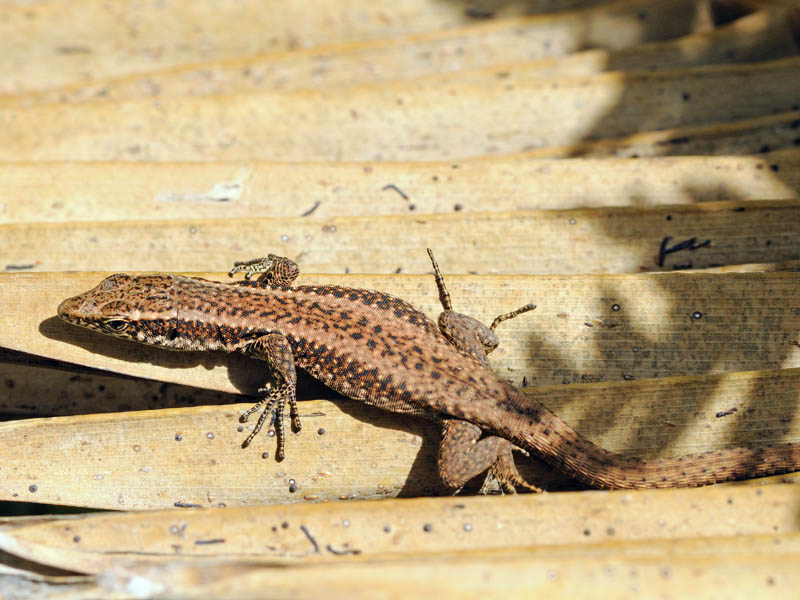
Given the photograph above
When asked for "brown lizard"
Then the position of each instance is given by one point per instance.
(377, 348)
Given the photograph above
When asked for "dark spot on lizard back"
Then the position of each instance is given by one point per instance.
(299, 345)
(315, 307)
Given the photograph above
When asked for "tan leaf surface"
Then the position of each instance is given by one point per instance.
(65, 192)
(352, 532)
(600, 240)
(395, 121)
(125, 37)
(494, 43)
(717, 570)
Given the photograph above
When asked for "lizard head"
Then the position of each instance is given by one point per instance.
(134, 308)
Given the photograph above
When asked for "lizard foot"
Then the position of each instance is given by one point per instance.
(274, 270)
(505, 471)
(273, 405)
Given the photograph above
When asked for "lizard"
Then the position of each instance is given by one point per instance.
(376, 348)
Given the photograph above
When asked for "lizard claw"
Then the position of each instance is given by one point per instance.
(521, 451)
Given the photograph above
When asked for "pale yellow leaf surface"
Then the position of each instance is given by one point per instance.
(266, 528)
(399, 121)
(125, 37)
(566, 525)
(610, 575)
(193, 457)
(68, 191)
(742, 566)
(621, 26)
(598, 240)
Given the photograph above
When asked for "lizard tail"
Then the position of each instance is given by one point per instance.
(560, 445)
(612, 471)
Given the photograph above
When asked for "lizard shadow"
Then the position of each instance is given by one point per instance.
(124, 350)
(423, 477)
(244, 373)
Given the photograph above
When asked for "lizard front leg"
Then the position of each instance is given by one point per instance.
(463, 454)
(275, 350)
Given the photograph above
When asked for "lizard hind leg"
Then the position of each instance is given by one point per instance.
(463, 455)
(464, 332)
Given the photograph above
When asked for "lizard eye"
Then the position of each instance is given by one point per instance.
(116, 325)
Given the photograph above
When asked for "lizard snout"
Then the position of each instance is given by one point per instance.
(70, 309)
